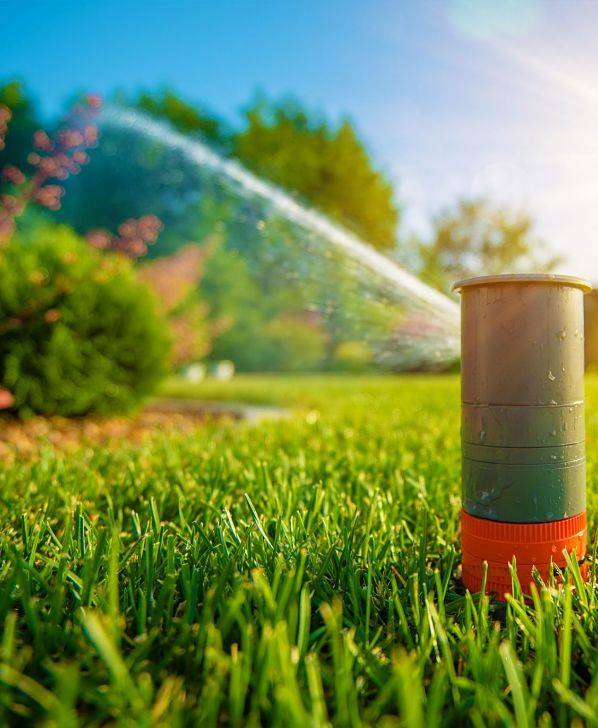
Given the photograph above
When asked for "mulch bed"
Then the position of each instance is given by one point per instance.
(27, 437)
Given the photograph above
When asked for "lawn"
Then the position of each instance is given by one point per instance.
(301, 571)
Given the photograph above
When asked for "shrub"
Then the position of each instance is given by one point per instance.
(78, 332)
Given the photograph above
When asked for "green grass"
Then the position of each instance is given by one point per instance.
(292, 573)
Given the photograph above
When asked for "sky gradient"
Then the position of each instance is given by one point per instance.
(455, 98)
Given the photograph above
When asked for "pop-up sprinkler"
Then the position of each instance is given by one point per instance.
(522, 429)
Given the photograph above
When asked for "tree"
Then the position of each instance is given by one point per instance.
(480, 238)
(54, 159)
(24, 122)
(326, 165)
(182, 115)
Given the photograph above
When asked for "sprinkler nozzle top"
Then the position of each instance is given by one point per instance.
(523, 278)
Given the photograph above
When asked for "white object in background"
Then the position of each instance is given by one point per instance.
(195, 373)
(223, 370)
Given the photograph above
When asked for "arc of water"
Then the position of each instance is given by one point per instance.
(284, 204)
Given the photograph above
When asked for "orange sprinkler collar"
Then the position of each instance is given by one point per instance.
(536, 545)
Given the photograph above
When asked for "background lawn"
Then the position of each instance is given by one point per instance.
(301, 571)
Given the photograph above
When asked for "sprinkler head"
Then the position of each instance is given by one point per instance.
(522, 426)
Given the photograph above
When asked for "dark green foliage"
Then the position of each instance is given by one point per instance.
(130, 176)
(78, 332)
(23, 124)
(183, 116)
(326, 165)
(295, 573)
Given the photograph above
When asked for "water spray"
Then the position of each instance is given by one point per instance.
(339, 285)
(522, 430)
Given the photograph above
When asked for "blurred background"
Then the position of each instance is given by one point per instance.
(211, 188)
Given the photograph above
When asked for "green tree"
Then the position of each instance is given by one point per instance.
(480, 238)
(182, 115)
(326, 165)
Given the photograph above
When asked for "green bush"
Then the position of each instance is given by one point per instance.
(78, 332)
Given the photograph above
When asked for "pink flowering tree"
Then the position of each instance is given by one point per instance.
(133, 238)
(52, 161)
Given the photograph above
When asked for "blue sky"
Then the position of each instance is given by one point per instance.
(454, 97)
